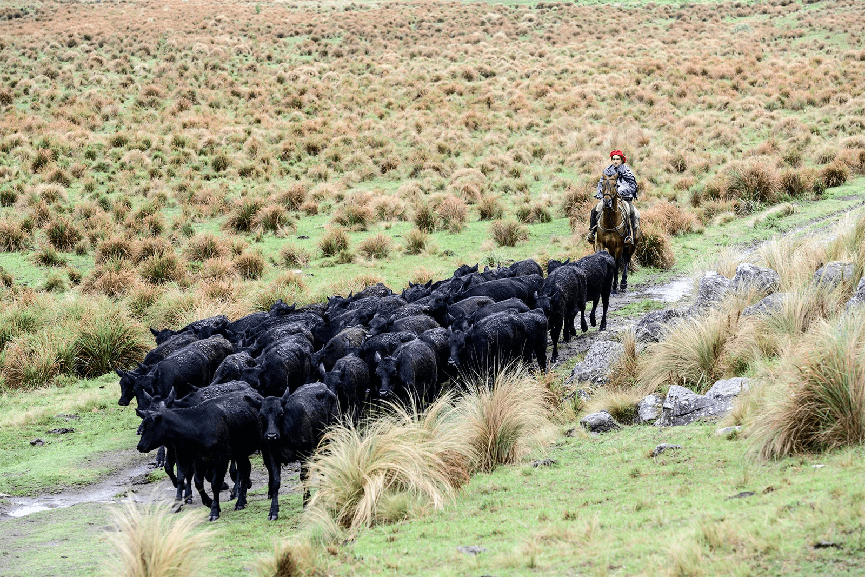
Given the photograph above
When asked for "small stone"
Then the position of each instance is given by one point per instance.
(742, 495)
(827, 545)
(664, 447)
(727, 431)
(649, 409)
(60, 431)
(37, 442)
(544, 463)
(600, 422)
(471, 549)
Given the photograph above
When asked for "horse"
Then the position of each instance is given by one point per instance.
(612, 230)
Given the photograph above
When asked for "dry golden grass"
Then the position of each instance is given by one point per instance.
(151, 541)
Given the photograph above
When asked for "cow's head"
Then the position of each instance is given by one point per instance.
(386, 371)
(456, 344)
(127, 386)
(152, 428)
(271, 415)
(378, 325)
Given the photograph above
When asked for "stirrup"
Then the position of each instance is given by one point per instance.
(590, 237)
(629, 240)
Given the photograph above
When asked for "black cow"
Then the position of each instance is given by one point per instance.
(154, 357)
(417, 291)
(415, 324)
(207, 436)
(410, 374)
(466, 307)
(347, 340)
(192, 366)
(202, 329)
(511, 304)
(284, 365)
(526, 267)
(563, 294)
(231, 368)
(349, 380)
(489, 345)
(600, 272)
(535, 325)
(290, 428)
(521, 287)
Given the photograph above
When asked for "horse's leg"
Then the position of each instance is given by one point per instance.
(626, 260)
(615, 289)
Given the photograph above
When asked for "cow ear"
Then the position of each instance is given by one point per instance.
(254, 403)
(119, 373)
(146, 396)
(140, 413)
(286, 394)
(377, 357)
(321, 370)
(154, 332)
(172, 396)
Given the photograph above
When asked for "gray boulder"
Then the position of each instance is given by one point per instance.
(649, 409)
(600, 422)
(768, 305)
(596, 367)
(683, 406)
(713, 289)
(750, 277)
(833, 273)
(655, 324)
(858, 297)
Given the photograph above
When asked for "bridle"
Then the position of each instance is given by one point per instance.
(610, 193)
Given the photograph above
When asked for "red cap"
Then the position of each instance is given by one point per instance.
(619, 153)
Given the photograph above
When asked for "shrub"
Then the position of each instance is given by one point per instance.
(425, 218)
(115, 247)
(62, 233)
(821, 401)
(250, 265)
(400, 453)
(12, 235)
(376, 246)
(502, 418)
(415, 241)
(754, 181)
(8, 197)
(333, 241)
(288, 286)
(453, 212)
(159, 269)
(508, 233)
(669, 218)
(490, 208)
(113, 277)
(834, 174)
(294, 197)
(217, 268)
(150, 540)
(205, 246)
(220, 163)
(293, 255)
(354, 216)
(532, 213)
(797, 183)
(149, 247)
(242, 218)
(34, 360)
(55, 282)
(108, 340)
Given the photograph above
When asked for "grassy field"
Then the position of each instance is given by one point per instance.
(167, 161)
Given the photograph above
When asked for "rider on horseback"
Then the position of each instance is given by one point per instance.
(627, 187)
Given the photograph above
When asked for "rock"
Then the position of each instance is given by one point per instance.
(664, 447)
(61, 431)
(596, 366)
(655, 324)
(769, 305)
(834, 273)
(858, 297)
(471, 549)
(649, 409)
(544, 463)
(37, 442)
(600, 422)
(683, 406)
(713, 289)
(727, 431)
(742, 495)
(750, 277)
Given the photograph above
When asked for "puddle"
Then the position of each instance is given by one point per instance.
(671, 292)
(110, 490)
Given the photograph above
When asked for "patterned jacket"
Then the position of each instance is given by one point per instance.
(626, 183)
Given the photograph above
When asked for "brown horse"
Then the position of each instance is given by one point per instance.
(613, 229)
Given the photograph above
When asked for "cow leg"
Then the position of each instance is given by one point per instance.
(235, 480)
(605, 302)
(555, 330)
(615, 289)
(170, 460)
(592, 317)
(243, 470)
(274, 480)
(160, 462)
(180, 484)
(199, 485)
(219, 471)
(304, 474)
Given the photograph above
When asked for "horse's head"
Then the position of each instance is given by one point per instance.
(609, 190)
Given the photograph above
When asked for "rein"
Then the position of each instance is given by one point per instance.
(620, 228)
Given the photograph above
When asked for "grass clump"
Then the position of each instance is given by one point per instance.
(62, 233)
(655, 249)
(13, 236)
(250, 265)
(508, 232)
(293, 255)
(416, 241)
(106, 340)
(333, 242)
(205, 246)
(377, 246)
(243, 217)
(151, 541)
(821, 396)
(425, 218)
(163, 268)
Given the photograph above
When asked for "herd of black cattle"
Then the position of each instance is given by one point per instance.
(215, 392)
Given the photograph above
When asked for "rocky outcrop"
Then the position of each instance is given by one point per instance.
(770, 304)
(653, 326)
(683, 406)
(832, 274)
(750, 278)
(600, 422)
(649, 409)
(713, 289)
(858, 297)
(596, 367)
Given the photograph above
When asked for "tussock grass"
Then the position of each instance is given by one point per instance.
(508, 232)
(250, 265)
(151, 541)
(333, 242)
(503, 419)
(819, 403)
(377, 246)
(293, 255)
(107, 339)
(416, 241)
(288, 286)
(655, 249)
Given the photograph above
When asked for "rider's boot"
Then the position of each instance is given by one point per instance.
(593, 226)
(629, 240)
